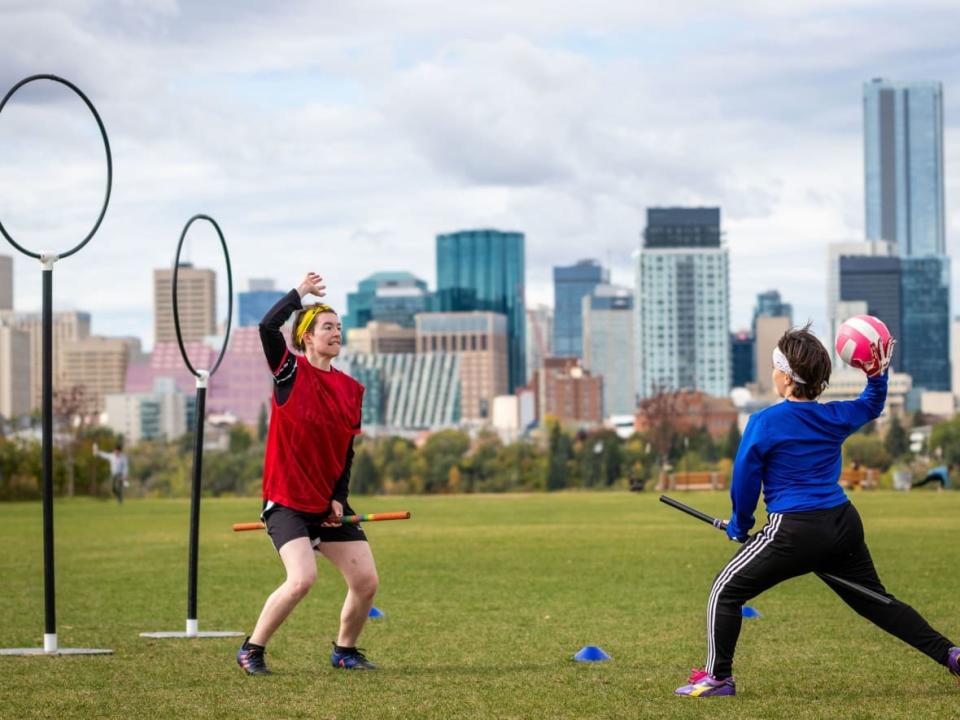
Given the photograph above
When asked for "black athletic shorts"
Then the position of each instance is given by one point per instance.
(285, 524)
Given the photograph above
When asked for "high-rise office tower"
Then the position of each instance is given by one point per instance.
(837, 309)
(98, 365)
(683, 303)
(68, 327)
(387, 297)
(771, 319)
(539, 337)
(910, 295)
(925, 321)
(197, 300)
(14, 371)
(741, 358)
(6, 282)
(903, 163)
(253, 304)
(770, 304)
(570, 285)
(479, 339)
(608, 346)
(485, 270)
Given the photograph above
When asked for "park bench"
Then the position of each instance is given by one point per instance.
(694, 480)
(859, 479)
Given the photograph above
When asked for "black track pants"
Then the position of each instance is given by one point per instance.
(792, 544)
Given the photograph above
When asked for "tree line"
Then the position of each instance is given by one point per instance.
(450, 461)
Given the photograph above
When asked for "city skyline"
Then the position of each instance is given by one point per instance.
(327, 140)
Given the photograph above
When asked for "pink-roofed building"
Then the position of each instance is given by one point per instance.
(240, 386)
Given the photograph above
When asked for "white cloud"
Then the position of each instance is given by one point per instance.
(342, 137)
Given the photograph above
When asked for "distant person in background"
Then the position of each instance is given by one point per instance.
(119, 469)
(939, 474)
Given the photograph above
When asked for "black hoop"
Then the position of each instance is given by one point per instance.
(106, 145)
(176, 313)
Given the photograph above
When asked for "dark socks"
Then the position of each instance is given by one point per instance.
(247, 645)
(339, 649)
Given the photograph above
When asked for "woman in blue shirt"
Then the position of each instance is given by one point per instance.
(792, 452)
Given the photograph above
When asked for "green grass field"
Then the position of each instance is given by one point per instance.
(487, 598)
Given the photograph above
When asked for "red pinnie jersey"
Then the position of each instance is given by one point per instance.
(309, 437)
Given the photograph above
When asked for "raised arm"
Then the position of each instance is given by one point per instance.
(274, 345)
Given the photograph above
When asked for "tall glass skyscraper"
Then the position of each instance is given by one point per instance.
(570, 285)
(485, 270)
(253, 304)
(903, 162)
(925, 323)
(911, 295)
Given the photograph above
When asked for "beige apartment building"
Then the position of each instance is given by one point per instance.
(196, 298)
(14, 371)
(68, 327)
(382, 337)
(6, 282)
(769, 331)
(99, 366)
(479, 339)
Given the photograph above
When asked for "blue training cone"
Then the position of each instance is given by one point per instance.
(749, 612)
(376, 613)
(591, 653)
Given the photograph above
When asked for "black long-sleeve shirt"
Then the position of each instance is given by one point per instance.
(283, 366)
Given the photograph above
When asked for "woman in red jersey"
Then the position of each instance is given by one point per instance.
(306, 470)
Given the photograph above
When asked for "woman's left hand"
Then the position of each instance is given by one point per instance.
(335, 515)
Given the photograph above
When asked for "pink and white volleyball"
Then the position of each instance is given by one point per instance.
(855, 338)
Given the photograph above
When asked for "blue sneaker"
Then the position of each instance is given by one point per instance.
(252, 660)
(703, 685)
(350, 659)
(953, 663)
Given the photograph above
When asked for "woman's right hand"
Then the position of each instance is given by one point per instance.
(312, 285)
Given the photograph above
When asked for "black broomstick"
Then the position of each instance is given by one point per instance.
(826, 577)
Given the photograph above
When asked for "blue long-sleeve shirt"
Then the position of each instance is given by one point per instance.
(793, 451)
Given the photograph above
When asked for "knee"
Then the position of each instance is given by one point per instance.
(366, 585)
(299, 585)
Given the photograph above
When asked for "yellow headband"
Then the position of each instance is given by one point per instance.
(308, 317)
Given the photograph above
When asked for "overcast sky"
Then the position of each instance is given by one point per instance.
(342, 137)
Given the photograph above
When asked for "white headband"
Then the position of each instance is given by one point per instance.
(780, 363)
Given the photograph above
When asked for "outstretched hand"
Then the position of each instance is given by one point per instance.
(312, 285)
(880, 357)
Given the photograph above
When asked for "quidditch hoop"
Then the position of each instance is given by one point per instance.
(106, 147)
(176, 312)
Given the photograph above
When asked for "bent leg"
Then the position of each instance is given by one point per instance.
(301, 567)
(764, 561)
(898, 618)
(355, 562)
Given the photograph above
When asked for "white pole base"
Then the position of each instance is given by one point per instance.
(193, 631)
(59, 651)
(50, 647)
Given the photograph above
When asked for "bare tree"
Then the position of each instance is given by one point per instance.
(659, 413)
(70, 407)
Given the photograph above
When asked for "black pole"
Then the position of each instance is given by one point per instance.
(49, 589)
(195, 501)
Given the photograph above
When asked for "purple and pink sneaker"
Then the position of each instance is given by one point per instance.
(953, 662)
(702, 684)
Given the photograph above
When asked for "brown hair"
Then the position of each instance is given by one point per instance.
(808, 359)
(320, 309)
